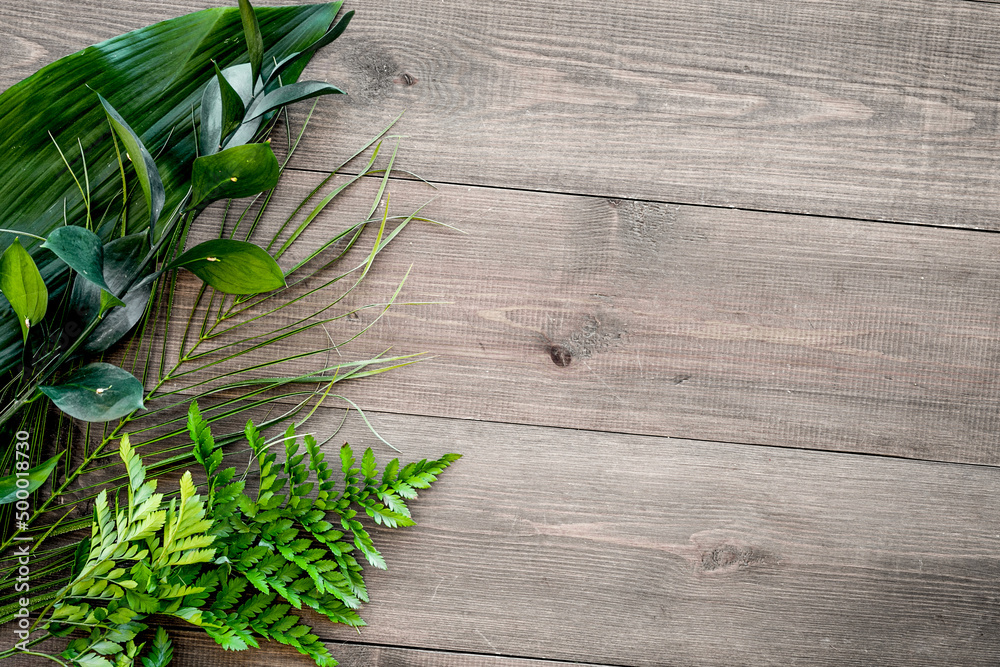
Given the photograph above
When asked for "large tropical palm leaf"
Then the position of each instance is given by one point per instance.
(154, 77)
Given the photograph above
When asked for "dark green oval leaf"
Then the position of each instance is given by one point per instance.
(121, 257)
(145, 168)
(255, 42)
(119, 322)
(236, 172)
(232, 104)
(82, 250)
(36, 477)
(293, 92)
(210, 134)
(97, 392)
(233, 267)
(22, 285)
(240, 77)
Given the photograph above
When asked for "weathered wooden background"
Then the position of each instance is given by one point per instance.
(720, 347)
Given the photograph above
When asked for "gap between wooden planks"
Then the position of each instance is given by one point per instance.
(195, 649)
(899, 130)
(878, 110)
(655, 319)
(636, 550)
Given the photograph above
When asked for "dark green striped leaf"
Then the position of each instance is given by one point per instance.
(302, 56)
(153, 77)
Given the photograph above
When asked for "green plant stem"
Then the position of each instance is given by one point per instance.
(30, 392)
(45, 655)
(89, 458)
(13, 651)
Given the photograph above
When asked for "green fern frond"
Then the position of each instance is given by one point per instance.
(161, 652)
(226, 563)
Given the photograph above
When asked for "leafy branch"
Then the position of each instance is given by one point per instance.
(122, 296)
(226, 561)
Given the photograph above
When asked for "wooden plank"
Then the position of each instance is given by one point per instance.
(194, 649)
(633, 550)
(882, 110)
(566, 545)
(32, 36)
(680, 321)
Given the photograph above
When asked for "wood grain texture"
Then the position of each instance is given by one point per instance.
(883, 110)
(565, 545)
(193, 648)
(680, 321)
(631, 550)
(197, 650)
(596, 306)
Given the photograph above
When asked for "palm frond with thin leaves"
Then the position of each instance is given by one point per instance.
(222, 351)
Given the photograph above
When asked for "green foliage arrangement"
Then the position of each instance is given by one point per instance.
(232, 564)
(91, 275)
(236, 105)
(154, 77)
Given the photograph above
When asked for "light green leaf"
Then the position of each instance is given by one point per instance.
(145, 167)
(98, 392)
(233, 267)
(241, 171)
(82, 250)
(36, 477)
(92, 660)
(293, 92)
(104, 647)
(80, 555)
(22, 285)
(255, 42)
(109, 300)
